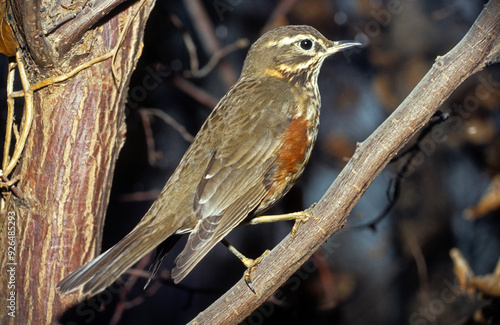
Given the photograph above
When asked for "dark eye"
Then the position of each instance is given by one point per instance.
(306, 44)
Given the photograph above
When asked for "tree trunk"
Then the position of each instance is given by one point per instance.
(68, 160)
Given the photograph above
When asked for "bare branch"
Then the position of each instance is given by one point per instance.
(195, 71)
(198, 94)
(145, 113)
(206, 32)
(72, 31)
(371, 156)
(27, 16)
(169, 120)
(10, 114)
(215, 59)
(123, 302)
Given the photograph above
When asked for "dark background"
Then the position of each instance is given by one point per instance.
(397, 271)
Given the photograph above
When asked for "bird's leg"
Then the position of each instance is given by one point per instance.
(299, 217)
(248, 262)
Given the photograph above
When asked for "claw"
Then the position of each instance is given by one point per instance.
(250, 264)
(248, 281)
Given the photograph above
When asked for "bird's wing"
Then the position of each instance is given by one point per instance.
(234, 182)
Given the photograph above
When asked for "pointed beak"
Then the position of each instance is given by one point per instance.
(341, 45)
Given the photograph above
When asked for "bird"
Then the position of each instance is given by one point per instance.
(246, 156)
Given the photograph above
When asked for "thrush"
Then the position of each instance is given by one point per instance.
(246, 157)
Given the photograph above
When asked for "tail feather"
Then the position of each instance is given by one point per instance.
(101, 272)
(161, 251)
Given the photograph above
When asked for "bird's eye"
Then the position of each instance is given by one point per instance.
(306, 44)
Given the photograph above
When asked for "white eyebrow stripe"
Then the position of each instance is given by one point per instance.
(289, 40)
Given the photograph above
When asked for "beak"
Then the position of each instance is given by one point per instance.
(341, 45)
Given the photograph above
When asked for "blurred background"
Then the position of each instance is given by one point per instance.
(392, 263)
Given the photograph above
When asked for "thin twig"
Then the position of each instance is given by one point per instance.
(28, 114)
(206, 32)
(121, 305)
(215, 59)
(195, 71)
(9, 183)
(10, 113)
(150, 195)
(65, 76)
(150, 291)
(203, 25)
(419, 258)
(197, 93)
(188, 42)
(171, 122)
(150, 139)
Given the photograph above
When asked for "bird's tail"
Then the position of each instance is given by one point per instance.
(101, 272)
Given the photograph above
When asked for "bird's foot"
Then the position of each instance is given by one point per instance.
(250, 264)
(301, 217)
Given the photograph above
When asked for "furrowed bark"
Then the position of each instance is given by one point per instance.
(67, 164)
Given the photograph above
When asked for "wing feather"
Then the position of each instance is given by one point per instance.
(234, 182)
(224, 200)
(200, 242)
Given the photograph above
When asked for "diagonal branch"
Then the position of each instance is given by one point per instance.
(372, 155)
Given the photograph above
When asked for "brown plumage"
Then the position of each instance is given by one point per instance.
(247, 155)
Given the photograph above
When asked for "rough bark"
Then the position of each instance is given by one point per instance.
(68, 160)
(479, 47)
